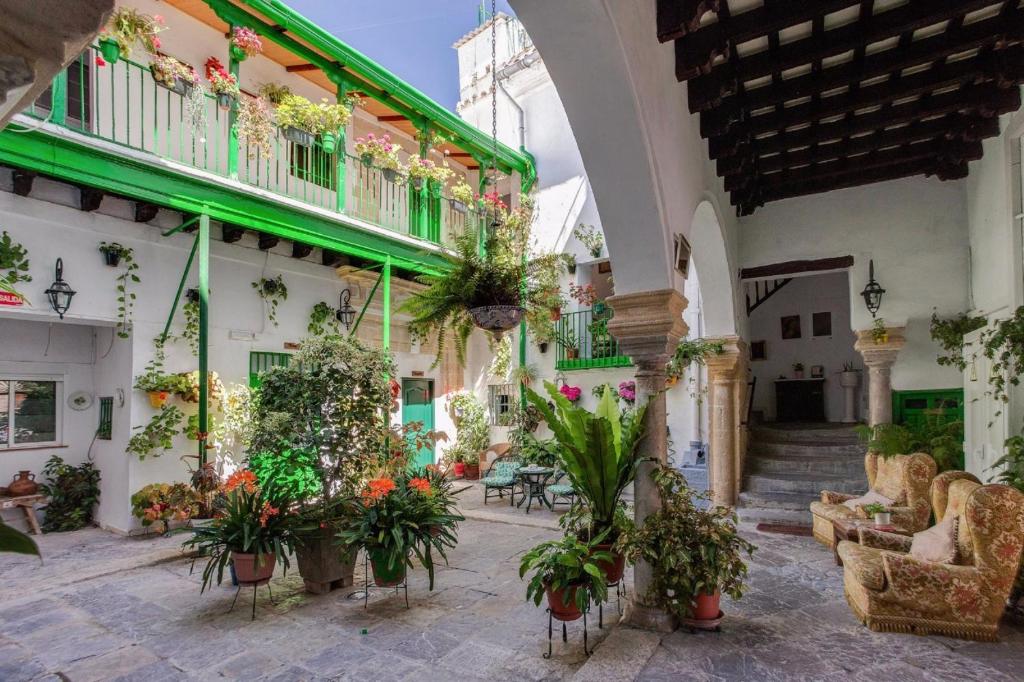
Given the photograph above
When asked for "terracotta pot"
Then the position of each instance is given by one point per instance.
(435, 531)
(324, 564)
(613, 569)
(158, 398)
(572, 353)
(24, 483)
(472, 471)
(251, 572)
(383, 574)
(459, 469)
(559, 609)
(707, 606)
(556, 314)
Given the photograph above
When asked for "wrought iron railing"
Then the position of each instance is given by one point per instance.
(583, 342)
(122, 104)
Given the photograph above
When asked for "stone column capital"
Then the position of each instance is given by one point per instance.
(880, 354)
(726, 366)
(648, 326)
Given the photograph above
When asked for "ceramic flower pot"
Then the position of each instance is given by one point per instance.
(252, 569)
(329, 141)
(110, 50)
(572, 353)
(298, 136)
(472, 472)
(385, 575)
(613, 569)
(849, 379)
(238, 54)
(23, 483)
(459, 469)
(883, 518)
(157, 398)
(560, 610)
(112, 258)
(707, 606)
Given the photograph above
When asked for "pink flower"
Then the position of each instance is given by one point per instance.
(158, 18)
(627, 391)
(156, 42)
(571, 393)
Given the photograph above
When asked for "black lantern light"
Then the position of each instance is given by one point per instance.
(873, 291)
(346, 313)
(60, 292)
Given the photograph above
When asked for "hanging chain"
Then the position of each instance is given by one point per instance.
(494, 96)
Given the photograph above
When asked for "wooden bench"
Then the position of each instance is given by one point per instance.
(26, 502)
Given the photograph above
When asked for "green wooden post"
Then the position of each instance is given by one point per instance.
(59, 98)
(522, 323)
(204, 336)
(342, 157)
(232, 117)
(385, 335)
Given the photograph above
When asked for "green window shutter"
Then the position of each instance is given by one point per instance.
(261, 361)
(914, 407)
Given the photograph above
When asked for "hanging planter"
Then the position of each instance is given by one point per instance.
(111, 255)
(303, 138)
(238, 54)
(367, 159)
(458, 206)
(543, 346)
(245, 43)
(224, 101)
(110, 50)
(329, 141)
(171, 74)
(158, 398)
(418, 183)
(496, 318)
(390, 174)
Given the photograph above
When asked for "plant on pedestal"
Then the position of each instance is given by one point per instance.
(569, 573)
(695, 554)
(879, 332)
(689, 352)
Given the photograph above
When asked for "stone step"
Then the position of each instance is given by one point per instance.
(852, 467)
(806, 449)
(809, 484)
(793, 501)
(829, 433)
(791, 517)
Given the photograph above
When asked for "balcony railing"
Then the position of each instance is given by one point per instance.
(122, 104)
(583, 341)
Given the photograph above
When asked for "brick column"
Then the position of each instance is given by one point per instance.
(727, 381)
(880, 357)
(648, 327)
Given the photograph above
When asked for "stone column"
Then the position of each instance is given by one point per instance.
(880, 356)
(727, 387)
(648, 327)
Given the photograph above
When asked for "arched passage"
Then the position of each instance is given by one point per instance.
(717, 282)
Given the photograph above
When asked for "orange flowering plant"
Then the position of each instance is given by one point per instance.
(255, 520)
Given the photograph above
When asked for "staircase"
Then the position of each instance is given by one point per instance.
(789, 465)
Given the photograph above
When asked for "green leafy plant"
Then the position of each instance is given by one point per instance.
(1010, 467)
(190, 332)
(425, 169)
(943, 440)
(879, 332)
(15, 542)
(569, 566)
(463, 193)
(949, 334)
(274, 92)
(165, 502)
(591, 238)
(125, 297)
(323, 320)
(153, 379)
(543, 453)
(597, 449)
(273, 291)
(568, 339)
(690, 550)
(13, 259)
(473, 431)
(1003, 344)
(875, 508)
(73, 491)
(692, 351)
(525, 374)
(158, 434)
(501, 360)
(295, 111)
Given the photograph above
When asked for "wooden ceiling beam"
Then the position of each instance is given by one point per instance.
(949, 127)
(986, 99)
(696, 51)
(723, 80)
(994, 31)
(676, 18)
(299, 68)
(1007, 69)
(391, 118)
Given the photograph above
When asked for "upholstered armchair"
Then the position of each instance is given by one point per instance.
(905, 479)
(894, 592)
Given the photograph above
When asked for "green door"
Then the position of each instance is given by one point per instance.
(418, 406)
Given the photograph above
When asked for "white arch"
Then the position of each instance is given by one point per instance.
(711, 258)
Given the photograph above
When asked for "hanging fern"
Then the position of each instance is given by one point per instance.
(273, 291)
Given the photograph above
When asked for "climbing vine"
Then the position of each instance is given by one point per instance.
(1003, 344)
(949, 334)
(158, 434)
(273, 291)
(124, 255)
(191, 331)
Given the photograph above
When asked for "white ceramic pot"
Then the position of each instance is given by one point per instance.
(883, 519)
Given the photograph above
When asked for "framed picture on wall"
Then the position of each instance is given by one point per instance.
(758, 350)
(821, 324)
(790, 326)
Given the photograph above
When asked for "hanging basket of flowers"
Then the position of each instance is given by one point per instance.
(223, 84)
(245, 43)
(177, 77)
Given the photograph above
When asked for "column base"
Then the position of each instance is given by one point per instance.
(645, 617)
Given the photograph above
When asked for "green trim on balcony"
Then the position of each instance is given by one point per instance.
(593, 363)
(66, 159)
(596, 348)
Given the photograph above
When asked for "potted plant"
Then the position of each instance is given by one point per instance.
(693, 549)
(567, 572)
(126, 27)
(472, 462)
(113, 252)
(591, 238)
(568, 340)
(254, 532)
(158, 387)
(598, 453)
(422, 171)
(380, 152)
(223, 84)
(333, 118)
(177, 77)
(525, 374)
(585, 296)
(157, 435)
(245, 43)
(206, 483)
(272, 291)
(798, 370)
(570, 262)
(879, 512)
(627, 392)
(73, 491)
(879, 332)
(163, 503)
(489, 289)
(298, 119)
(462, 197)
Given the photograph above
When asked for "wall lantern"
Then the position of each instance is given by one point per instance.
(60, 292)
(873, 291)
(346, 313)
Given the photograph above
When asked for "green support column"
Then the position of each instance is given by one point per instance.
(204, 336)
(341, 157)
(522, 323)
(232, 117)
(385, 334)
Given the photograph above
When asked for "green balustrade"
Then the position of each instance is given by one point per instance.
(582, 341)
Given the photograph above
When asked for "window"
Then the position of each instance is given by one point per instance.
(78, 97)
(312, 164)
(499, 403)
(261, 361)
(106, 425)
(29, 412)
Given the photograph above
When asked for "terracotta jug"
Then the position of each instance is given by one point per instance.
(23, 484)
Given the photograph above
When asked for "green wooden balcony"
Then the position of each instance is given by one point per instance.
(121, 104)
(583, 342)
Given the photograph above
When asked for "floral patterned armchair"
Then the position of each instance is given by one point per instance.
(902, 478)
(894, 592)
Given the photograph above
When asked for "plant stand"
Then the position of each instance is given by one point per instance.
(620, 592)
(565, 634)
(404, 585)
(255, 586)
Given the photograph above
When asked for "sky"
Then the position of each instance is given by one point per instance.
(412, 38)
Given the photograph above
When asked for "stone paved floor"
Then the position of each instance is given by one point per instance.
(89, 613)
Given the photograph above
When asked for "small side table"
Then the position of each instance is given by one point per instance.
(849, 529)
(534, 481)
(26, 503)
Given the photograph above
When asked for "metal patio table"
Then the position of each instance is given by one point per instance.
(534, 480)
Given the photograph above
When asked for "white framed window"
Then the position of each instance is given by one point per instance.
(31, 411)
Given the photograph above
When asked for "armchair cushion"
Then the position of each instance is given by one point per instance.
(937, 544)
(502, 474)
(865, 563)
(878, 539)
